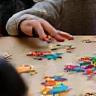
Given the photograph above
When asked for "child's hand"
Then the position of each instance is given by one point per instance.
(40, 26)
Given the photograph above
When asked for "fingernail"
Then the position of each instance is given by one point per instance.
(61, 40)
(45, 39)
(72, 38)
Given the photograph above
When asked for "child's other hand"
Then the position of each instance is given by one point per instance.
(40, 26)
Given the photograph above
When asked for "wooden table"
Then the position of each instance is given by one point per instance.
(18, 47)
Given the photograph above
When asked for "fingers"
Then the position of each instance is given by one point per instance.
(26, 27)
(39, 29)
(56, 34)
(48, 28)
(51, 31)
(65, 35)
(40, 26)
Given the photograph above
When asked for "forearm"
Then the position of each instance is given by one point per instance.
(14, 22)
(48, 10)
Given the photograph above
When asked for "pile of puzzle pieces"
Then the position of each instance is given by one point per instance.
(54, 85)
(87, 65)
(40, 55)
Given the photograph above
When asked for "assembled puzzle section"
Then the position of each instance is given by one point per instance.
(54, 85)
(86, 65)
(49, 55)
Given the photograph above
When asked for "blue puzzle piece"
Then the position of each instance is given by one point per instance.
(53, 56)
(78, 69)
(58, 89)
(59, 78)
(74, 69)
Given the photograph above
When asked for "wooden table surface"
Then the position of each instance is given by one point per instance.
(18, 47)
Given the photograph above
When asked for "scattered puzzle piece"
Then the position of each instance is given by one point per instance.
(45, 90)
(67, 48)
(56, 78)
(49, 83)
(26, 69)
(38, 53)
(90, 94)
(6, 55)
(59, 78)
(73, 68)
(89, 41)
(70, 49)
